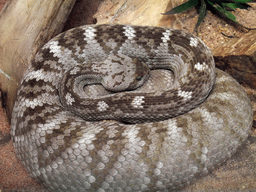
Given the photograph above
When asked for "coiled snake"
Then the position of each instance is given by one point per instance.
(126, 108)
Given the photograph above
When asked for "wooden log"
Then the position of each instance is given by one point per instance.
(245, 45)
(143, 12)
(25, 26)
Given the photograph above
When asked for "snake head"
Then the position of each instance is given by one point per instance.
(124, 73)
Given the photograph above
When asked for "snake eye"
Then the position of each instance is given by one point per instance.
(138, 78)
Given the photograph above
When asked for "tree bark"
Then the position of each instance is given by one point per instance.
(25, 27)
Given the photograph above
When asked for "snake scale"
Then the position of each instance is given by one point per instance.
(126, 108)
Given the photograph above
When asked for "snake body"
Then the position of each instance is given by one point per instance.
(126, 108)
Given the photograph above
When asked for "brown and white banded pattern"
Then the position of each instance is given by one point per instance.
(119, 108)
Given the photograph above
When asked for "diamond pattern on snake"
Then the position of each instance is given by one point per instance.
(126, 108)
